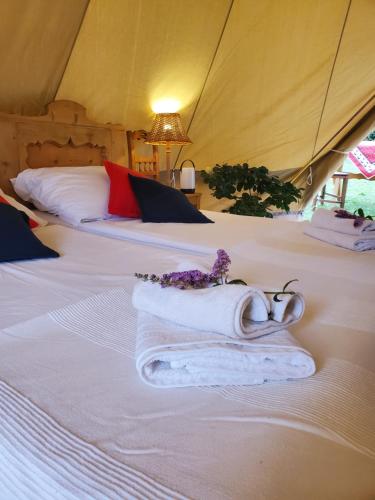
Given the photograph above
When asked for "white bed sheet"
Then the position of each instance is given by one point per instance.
(88, 264)
(225, 232)
(220, 444)
(237, 233)
(304, 439)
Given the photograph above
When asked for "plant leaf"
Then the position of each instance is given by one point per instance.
(236, 282)
(243, 184)
(288, 283)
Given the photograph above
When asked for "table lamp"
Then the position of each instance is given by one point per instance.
(167, 130)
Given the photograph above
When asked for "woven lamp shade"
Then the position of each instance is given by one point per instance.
(167, 130)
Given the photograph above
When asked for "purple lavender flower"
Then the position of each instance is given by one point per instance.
(221, 265)
(194, 278)
(186, 279)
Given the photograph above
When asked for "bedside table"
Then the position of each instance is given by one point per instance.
(194, 198)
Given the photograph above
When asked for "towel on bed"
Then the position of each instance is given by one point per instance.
(288, 309)
(358, 243)
(231, 310)
(326, 219)
(168, 355)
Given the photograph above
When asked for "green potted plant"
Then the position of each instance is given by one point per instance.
(253, 189)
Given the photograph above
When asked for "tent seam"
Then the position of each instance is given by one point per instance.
(72, 48)
(208, 74)
(330, 80)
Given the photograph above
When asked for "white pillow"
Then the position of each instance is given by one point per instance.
(12, 201)
(75, 194)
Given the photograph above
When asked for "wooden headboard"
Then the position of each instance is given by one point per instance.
(62, 137)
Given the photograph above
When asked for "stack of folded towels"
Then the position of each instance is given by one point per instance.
(326, 226)
(224, 335)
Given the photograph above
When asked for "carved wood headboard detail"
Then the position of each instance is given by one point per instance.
(62, 137)
(51, 153)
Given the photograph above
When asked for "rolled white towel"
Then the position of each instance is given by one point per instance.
(326, 219)
(168, 355)
(232, 310)
(359, 243)
(290, 308)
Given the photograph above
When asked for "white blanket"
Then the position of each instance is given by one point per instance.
(219, 442)
(358, 243)
(326, 219)
(77, 366)
(171, 356)
(41, 460)
(88, 264)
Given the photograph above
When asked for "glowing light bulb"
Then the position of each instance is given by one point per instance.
(166, 106)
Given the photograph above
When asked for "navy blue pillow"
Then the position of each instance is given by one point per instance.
(160, 203)
(17, 241)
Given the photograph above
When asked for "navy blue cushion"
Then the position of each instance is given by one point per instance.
(17, 241)
(160, 203)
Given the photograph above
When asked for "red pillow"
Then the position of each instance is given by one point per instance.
(32, 223)
(122, 200)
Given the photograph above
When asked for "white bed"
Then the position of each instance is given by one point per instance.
(312, 438)
(77, 422)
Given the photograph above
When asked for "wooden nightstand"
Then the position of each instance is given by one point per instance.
(194, 198)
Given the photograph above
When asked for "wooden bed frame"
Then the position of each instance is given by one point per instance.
(62, 137)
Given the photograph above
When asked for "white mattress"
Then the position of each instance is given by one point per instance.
(312, 439)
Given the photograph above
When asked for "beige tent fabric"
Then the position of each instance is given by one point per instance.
(266, 89)
(36, 38)
(348, 114)
(131, 53)
(352, 87)
(272, 82)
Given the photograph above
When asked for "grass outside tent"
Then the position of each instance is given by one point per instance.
(360, 194)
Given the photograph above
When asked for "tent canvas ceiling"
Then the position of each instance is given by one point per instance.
(271, 82)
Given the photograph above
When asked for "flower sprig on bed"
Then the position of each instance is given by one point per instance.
(358, 216)
(195, 278)
(182, 280)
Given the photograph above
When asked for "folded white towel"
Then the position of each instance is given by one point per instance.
(358, 243)
(168, 355)
(326, 219)
(232, 310)
(290, 308)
